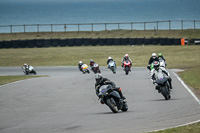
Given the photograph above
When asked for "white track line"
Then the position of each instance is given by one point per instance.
(187, 88)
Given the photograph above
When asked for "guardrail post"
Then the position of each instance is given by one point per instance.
(131, 25)
(24, 29)
(92, 27)
(38, 30)
(51, 27)
(182, 25)
(10, 28)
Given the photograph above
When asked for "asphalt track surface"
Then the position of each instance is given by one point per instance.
(65, 102)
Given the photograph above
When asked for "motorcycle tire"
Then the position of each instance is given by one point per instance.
(126, 70)
(165, 93)
(112, 105)
(125, 107)
(34, 72)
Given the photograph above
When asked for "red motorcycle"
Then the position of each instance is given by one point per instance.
(127, 67)
(95, 68)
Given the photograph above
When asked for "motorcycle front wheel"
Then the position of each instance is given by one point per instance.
(165, 93)
(112, 105)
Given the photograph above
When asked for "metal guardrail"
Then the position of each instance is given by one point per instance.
(153, 25)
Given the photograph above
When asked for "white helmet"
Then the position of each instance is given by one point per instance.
(109, 57)
(80, 62)
(154, 54)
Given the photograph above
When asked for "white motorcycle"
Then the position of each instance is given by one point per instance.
(85, 69)
(29, 69)
(112, 66)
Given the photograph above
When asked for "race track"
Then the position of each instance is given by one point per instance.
(65, 102)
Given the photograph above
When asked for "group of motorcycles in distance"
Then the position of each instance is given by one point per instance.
(111, 65)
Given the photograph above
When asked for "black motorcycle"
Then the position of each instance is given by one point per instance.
(112, 99)
(163, 85)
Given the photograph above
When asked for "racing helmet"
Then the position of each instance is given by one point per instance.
(160, 54)
(91, 60)
(126, 56)
(154, 55)
(156, 65)
(25, 65)
(80, 62)
(109, 57)
(98, 77)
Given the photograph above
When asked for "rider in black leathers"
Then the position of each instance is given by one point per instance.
(79, 65)
(104, 81)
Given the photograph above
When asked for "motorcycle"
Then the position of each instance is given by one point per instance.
(95, 68)
(112, 66)
(162, 63)
(112, 99)
(29, 69)
(163, 85)
(85, 69)
(127, 67)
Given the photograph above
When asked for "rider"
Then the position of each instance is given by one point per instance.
(104, 81)
(126, 58)
(154, 74)
(25, 66)
(161, 56)
(109, 59)
(91, 63)
(79, 65)
(151, 60)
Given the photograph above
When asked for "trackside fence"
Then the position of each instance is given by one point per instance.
(153, 25)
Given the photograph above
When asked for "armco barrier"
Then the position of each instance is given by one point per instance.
(86, 41)
(132, 41)
(78, 42)
(63, 42)
(155, 41)
(15, 43)
(177, 41)
(170, 41)
(102, 42)
(124, 41)
(23, 43)
(1, 44)
(39, 43)
(47, 42)
(139, 41)
(110, 41)
(55, 42)
(163, 41)
(93, 41)
(117, 41)
(31, 43)
(147, 41)
(71, 42)
(7, 44)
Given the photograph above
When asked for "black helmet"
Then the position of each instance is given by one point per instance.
(98, 77)
(156, 65)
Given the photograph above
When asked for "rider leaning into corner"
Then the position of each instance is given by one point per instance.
(154, 74)
(25, 66)
(104, 81)
(151, 60)
(79, 65)
(126, 58)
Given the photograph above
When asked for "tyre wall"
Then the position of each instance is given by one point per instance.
(93, 42)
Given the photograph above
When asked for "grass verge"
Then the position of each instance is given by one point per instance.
(9, 79)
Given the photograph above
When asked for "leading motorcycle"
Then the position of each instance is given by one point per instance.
(29, 69)
(112, 99)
